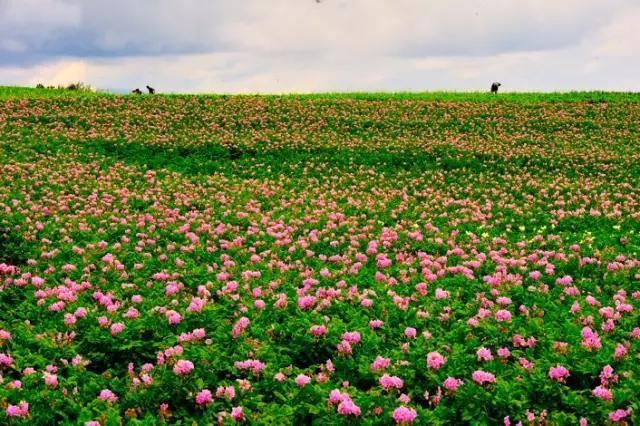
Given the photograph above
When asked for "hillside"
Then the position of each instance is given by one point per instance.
(326, 259)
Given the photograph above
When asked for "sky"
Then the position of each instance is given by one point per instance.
(278, 46)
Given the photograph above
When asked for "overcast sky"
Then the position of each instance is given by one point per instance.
(331, 45)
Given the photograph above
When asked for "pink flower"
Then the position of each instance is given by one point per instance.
(504, 353)
(69, 319)
(351, 336)
(173, 317)
(116, 328)
(20, 410)
(367, 303)
(318, 330)
(410, 332)
(484, 354)
(602, 393)
(558, 373)
(204, 397)
(380, 363)
(5, 360)
(435, 360)
(404, 415)
(619, 415)
(306, 302)
(196, 304)
(383, 262)
(228, 392)
(131, 313)
(240, 326)
(481, 377)
(302, 380)
(565, 280)
(80, 312)
(182, 367)
(50, 380)
(146, 379)
(103, 321)
(56, 307)
(375, 324)
(344, 348)
(590, 339)
(390, 382)
(107, 395)
(347, 408)
(336, 396)
(441, 294)
(503, 315)
(255, 365)
(607, 377)
(451, 383)
(526, 364)
(237, 414)
(620, 351)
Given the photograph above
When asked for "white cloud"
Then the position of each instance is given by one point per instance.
(300, 45)
(418, 27)
(621, 37)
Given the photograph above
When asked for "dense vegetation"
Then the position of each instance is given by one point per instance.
(365, 258)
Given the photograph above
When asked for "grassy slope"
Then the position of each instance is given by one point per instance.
(453, 147)
(13, 92)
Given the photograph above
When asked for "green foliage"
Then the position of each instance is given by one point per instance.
(464, 193)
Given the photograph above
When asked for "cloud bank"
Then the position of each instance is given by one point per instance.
(333, 45)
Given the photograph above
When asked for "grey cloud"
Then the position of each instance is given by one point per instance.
(111, 28)
(300, 45)
(32, 29)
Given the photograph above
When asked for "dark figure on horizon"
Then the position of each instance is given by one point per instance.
(495, 86)
(151, 90)
(136, 91)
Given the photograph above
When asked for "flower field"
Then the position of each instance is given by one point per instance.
(324, 259)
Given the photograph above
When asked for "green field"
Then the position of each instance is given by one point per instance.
(435, 258)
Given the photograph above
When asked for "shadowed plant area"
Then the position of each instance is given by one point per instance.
(435, 258)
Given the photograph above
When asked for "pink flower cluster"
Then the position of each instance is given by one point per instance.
(107, 395)
(20, 410)
(390, 382)
(404, 415)
(182, 367)
(346, 406)
(558, 373)
(435, 360)
(482, 377)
